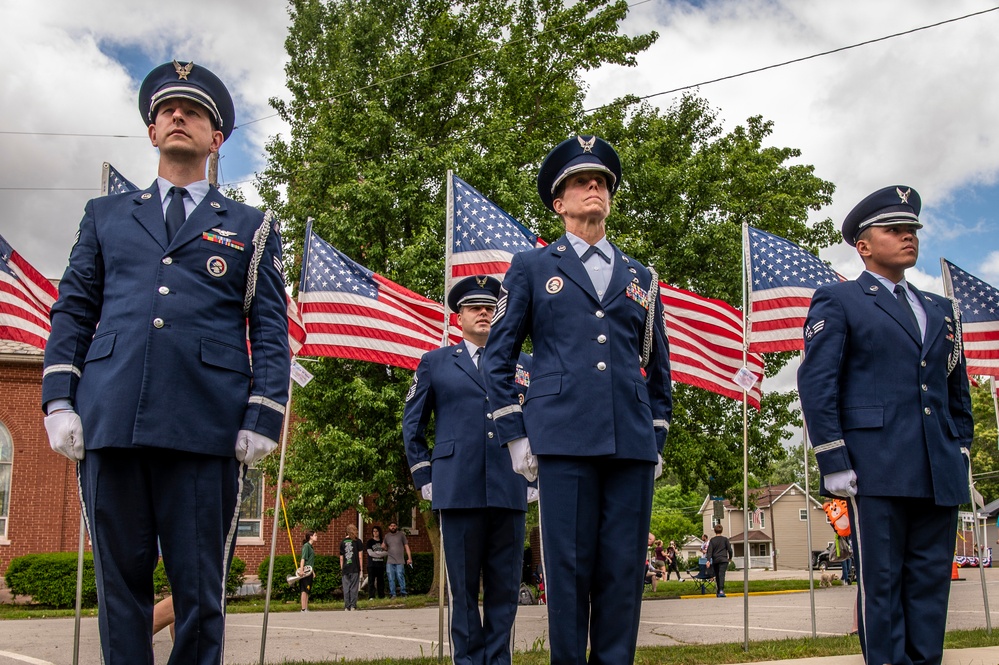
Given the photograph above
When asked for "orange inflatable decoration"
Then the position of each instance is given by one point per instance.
(838, 516)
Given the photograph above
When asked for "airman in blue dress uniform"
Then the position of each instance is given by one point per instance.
(481, 502)
(884, 391)
(595, 418)
(159, 404)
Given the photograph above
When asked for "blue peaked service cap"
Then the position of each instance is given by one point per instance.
(474, 290)
(890, 206)
(187, 81)
(580, 153)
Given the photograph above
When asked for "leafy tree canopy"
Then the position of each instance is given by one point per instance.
(387, 96)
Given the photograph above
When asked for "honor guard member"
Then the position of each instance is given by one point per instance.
(884, 392)
(481, 502)
(159, 404)
(596, 415)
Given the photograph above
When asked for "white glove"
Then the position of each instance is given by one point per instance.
(428, 491)
(841, 483)
(659, 468)
(532, 494)
(65, 430)
(524, 461)
(252, 447)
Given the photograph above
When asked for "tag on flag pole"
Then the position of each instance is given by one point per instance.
(299, 374)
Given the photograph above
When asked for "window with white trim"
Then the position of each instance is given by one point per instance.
(803, 514)
(6, 469)
(251, 510)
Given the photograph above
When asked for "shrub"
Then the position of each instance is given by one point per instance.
(233, 581)
(421, 575)
(50, 578)
(326, 586)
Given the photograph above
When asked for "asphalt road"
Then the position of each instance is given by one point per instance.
(406, 633)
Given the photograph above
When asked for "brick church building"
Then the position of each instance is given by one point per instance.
(39, 499)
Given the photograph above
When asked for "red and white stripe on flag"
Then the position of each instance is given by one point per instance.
(350, 312)
(26, 298)
(705, 344)
(296, 327)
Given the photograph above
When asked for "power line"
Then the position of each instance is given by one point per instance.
(683, 88)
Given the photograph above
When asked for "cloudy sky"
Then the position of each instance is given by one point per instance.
(918, 109)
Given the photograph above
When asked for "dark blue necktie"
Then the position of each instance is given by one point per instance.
(175, 214)
(903, 302)
(594, 250)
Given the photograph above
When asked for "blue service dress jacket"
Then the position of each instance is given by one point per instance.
(467, 466)
(876, 400)
(588, 396)
(149, 338)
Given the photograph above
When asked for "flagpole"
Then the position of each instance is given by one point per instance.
(280, 478)
(808, 514)
(105, 179)
(948, 285)
(274, 526)
(745, 442)
(449, 240)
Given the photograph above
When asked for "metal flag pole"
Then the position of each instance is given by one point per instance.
(105, 184)
(274, 526)
(979, 547)
(808, 516)
(745, 445)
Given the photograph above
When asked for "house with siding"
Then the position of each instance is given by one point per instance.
(779, 519)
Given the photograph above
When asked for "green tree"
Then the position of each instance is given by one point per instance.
(674, 513)
(387, 96)
(985, 446)
(376, 121)
(792, 470)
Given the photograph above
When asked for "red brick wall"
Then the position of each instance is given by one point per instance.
(44, 511)
(44, 514)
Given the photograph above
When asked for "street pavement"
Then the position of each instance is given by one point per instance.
(408, 633)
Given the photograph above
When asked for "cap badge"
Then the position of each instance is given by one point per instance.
(182, 70)
(587, 146)
(903, 195)
(481, 281)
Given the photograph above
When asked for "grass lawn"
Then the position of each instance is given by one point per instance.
(710, 654)
(679, 655)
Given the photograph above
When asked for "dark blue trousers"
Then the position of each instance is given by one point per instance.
(190, 504)
(903, 548)
(487, 542)
(595, 515)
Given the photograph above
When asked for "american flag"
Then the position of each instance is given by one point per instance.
(705, 344)
(25, 300)
(979, 303)
(782, 279)
(351, 312)
(296, 327)
(113, 182)
(481, 237)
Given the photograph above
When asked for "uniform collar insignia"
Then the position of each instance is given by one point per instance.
(182, 70)
(587, 146)
(903, 195)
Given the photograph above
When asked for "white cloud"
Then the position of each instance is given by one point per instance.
(56, 78)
